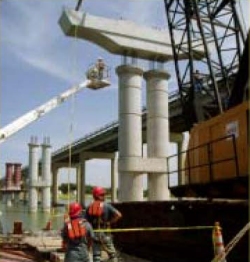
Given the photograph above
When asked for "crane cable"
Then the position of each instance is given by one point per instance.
(79, 3)
(72, 114)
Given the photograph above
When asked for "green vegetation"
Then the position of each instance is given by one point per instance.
(70, 197)
(64, 188)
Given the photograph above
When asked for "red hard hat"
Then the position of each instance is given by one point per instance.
(75, 209)
(98, 191)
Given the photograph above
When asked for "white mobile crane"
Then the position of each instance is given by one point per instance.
(92, 82)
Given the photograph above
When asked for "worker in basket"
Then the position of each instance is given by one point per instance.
(198, 81)
(102, 215)
(100, 66)
(96, 71)
(77, 235)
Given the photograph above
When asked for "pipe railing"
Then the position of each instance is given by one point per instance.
(210, 161)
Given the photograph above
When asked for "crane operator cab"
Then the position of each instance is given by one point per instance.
(98, 74)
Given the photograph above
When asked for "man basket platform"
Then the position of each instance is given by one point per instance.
(98, 73)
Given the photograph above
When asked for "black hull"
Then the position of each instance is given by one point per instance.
(182, 245)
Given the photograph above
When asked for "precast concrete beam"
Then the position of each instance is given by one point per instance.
(63, 165)
(97, 155)
(120, 36)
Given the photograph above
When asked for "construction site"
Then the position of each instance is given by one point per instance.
(204, 214)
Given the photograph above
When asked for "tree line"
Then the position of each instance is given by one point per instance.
(66, 188)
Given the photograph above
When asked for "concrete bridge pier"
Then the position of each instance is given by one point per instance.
(81, 178)
(130, 126)
(55, 170)
(157, 130)
(33, 174)
(46, 175)
(81, 173)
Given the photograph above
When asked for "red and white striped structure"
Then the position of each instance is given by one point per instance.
(13, 176)
(219, 249)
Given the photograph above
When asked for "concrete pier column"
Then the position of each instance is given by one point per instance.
(46, 175)
(33, 174)
(157, 129)
(80, 178)
(55, 170)
(130, 130)
(114, 177)
(81, 185)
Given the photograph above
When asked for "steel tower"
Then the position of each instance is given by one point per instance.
(213, 27)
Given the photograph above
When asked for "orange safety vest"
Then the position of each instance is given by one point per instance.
(76, 228)
(96, 208)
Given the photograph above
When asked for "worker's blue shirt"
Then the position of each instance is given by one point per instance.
(108, 213)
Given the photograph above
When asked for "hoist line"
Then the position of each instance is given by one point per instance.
(72, 114)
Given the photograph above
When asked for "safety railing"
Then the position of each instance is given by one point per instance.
(210, 163)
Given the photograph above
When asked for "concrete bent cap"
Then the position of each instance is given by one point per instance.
(119, 36)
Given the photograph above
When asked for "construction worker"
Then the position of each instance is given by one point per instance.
(100, 66)
(93, 73)
(197, 81)
(77, 235)
(102, 215)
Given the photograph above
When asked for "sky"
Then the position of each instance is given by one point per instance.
(39, 62)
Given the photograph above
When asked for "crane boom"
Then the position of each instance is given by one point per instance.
(43, 109)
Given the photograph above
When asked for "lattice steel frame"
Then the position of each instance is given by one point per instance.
(211, 28)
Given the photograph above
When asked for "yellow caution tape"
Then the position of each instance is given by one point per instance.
(117, 230)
